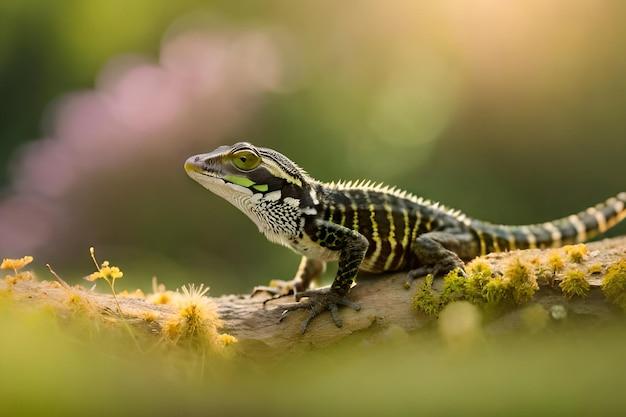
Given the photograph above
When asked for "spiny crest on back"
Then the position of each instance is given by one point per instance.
(370, 186)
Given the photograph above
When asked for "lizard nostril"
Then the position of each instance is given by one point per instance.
(197, 159)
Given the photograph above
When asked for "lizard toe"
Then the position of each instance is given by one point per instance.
(320, 300)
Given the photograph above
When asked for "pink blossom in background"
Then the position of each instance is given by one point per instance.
(142, 115)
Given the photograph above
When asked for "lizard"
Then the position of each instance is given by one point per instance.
(367, 226)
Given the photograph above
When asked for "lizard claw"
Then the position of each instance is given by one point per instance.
(439, 269)
(277, 289)
(319, 301)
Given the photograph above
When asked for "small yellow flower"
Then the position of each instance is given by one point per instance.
(108, 273)
(112, 272)
(93, 277)
(105, 270)
(16, 264)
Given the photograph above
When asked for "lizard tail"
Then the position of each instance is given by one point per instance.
(576, 228)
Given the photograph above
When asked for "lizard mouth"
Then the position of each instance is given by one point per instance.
(213, 180)
(194, 167)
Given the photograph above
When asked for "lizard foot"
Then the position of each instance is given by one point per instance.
(431, 256)
(318, 301)
(278, 289)
(439, 269)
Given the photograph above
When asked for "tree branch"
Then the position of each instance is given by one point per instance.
(385, 301)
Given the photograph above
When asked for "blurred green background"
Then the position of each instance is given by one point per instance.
(511, 111)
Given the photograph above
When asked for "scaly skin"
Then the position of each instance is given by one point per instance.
(365, 226)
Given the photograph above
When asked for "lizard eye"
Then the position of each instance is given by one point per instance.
(246, 160)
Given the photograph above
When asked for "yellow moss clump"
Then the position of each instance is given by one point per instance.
(555, 262)
(226, 339)
(196, 323)
(171, 329)
(481, 287)
(614, 284)
(149, 316)
(546, 273)
(17, 277)
(74, 299)
(574, 284)
(479, 267)
(453, 287)
(161, 298)
(479, 274)
(426, 300)
(522, 281)
(198, 320)
(496, 291)
(576, 253)
(160, 295)
(517, 285)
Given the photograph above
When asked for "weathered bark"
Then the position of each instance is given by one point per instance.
(385, 301)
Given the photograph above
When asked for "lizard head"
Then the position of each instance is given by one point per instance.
(254, 179)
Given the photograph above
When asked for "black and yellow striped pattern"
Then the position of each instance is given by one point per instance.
(391, 220)
(572, 229)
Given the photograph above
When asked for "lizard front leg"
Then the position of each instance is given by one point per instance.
(309, 270)
(351, 246)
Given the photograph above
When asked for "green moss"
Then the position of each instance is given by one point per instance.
(453, 287)
(522, 281)
(426, 300)
(614, 284)
(480, 287)
(479, 266)
(574, 284)
(496, 291)
(479, 274)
